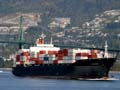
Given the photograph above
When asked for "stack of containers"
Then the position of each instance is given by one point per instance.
(17, 62)
(70, 56)
(40, 56)
(59, 58)
(52, 56)
(24, 58)
(100, 54)
(46, 59)
(33, 57)
(92, 54)
(82, 54)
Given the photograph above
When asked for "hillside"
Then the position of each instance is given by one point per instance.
(69, 22)
(77, 10)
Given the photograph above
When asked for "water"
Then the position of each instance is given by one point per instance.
(10, 82)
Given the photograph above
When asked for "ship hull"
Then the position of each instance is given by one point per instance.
(90, 68)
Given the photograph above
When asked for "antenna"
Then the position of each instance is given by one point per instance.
(106, 50)
(51, 42)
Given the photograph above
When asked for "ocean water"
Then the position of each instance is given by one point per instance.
(11, 82)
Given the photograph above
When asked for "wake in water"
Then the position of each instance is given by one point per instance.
(1, 71)
(100, 79)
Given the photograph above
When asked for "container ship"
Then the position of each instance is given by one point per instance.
(48, 61)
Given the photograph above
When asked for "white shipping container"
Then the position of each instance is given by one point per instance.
(80, 58)
(84, 58)
(27, 62)
(41, 56)
(68, 61)
(99, 56)
(50, 62)
(46, 62)
(71, 54)
(59, 61)
(84, 51)
(33, 54)
(17, 63)
(77, 58)
(65, 58)
(69, 58)
(51, 59)
(23, 58)
(32, 62)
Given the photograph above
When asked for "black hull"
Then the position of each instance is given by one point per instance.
(92, 68)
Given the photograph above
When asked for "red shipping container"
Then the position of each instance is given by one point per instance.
(92, 51)
(52, 52)
(65, 54)
(84, 54)
(60, 52)
(27, 53)
(60, 55)
(78, 54)
(22, 62)
(92, 56)
(36, 62)
(59, 58)
(33, 59)
(41, 62)
(55, 62)
(17, 58)
(42, 52)
(21, 54)
(38, 54)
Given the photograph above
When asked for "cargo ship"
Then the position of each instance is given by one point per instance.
(48, 61)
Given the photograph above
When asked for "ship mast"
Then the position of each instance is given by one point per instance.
(42, 36)
(51, 42)
(106, 50)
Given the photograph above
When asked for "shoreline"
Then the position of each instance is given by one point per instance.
(6, 69)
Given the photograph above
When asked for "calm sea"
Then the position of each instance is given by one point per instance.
(10, 82)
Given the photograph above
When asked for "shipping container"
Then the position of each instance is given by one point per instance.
(60, 52)
(32, 62)
(42, 52)
(18, 63)
(92, 56)
(23, 58)
(33, 59)
(60, 62)
(65, 52)
(41, 61)
(46, 58)
(99, 55)
(52, 52)
(46, 62)
(60, 58)
(17, 58)
(33, 54)
(55, 62)
(77, 57)
(22, 62)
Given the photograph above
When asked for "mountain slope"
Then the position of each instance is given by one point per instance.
(78, 10)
